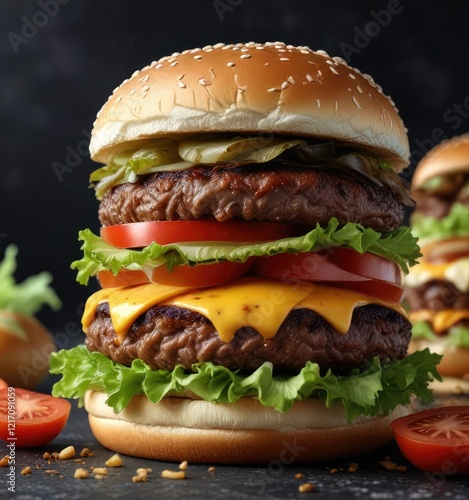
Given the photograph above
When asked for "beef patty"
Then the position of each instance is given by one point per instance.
(166, 336)
(436, 295)
(254, 193)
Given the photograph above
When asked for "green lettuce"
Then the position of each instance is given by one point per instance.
(457, 335)
(454, 225)
(399, 246)
(29, 296)
(374, 391)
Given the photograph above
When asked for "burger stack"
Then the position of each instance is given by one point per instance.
(250, 260)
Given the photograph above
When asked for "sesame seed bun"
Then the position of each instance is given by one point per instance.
(245, 432)
(449, 157)
(251, 88)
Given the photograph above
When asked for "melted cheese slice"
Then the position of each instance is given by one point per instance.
(456, 272)
(260, 303)
(442, 320)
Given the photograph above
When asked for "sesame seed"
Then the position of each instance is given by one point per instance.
(284, 85)
(132, 92)
(175, 54)
(146, 78)
(291, 80)
(329, 62)
(304, 51)
(146, 88)
(230, 64)
(359, 89)
(181, 84)
(284, 59)
(357, 104)
(250, 44)
(245, 49)
(309, 78)
(207, 48)
(158, 66)
(352, 76)
(318, 103)
(153, 64)
(218, 45)
(197, 58)
(246, 56)
(333, 70)
(204, 82)
(119, 99)
(260, 47)
(174, 63)
(135, 73)
(273, 89)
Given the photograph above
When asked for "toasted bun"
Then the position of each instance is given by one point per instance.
(449, 157)
(455, 360)
(25, 346)
(251, 88)
(244, 432)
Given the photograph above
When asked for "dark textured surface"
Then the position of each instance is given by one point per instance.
(371, 480)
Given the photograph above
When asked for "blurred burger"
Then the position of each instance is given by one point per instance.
(438, 288)
(250, 259)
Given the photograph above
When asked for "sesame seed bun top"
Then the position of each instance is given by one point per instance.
(449, 157)
(251, 88)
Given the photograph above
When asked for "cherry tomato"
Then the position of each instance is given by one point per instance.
(365, 273)
(3, 384)
(436, 439)
(197, 276)
(141, 234)
(34, 419)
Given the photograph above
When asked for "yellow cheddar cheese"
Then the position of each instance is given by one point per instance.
(260, 303)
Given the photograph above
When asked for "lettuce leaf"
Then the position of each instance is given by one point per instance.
(399, 246)
(376, 390)
(29, 296)
(457, 335)
(454, 225)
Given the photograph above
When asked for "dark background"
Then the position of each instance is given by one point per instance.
(60, 59)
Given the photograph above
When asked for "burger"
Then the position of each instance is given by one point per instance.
(437, 290)
(250, 261)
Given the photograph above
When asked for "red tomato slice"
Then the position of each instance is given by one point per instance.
(34, 419)
(435, 439)
(141, 234)
(197, 276)
(365, 273)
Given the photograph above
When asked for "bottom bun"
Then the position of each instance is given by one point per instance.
(245, 432)
(455, 360)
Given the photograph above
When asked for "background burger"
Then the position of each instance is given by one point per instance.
(438, 288)
(250, 260)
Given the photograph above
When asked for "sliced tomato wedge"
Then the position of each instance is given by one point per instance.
(197, 276)
(436, 439)
(34, 419)
(141, 234)
(344, 267)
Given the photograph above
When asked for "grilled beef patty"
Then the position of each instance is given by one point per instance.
(254, 193)
(166, 336)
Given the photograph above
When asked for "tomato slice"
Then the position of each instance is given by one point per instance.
(436, 439)
(3, 384)
(141, 234)
(197, 276)
(34, 419)
(344, 267)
